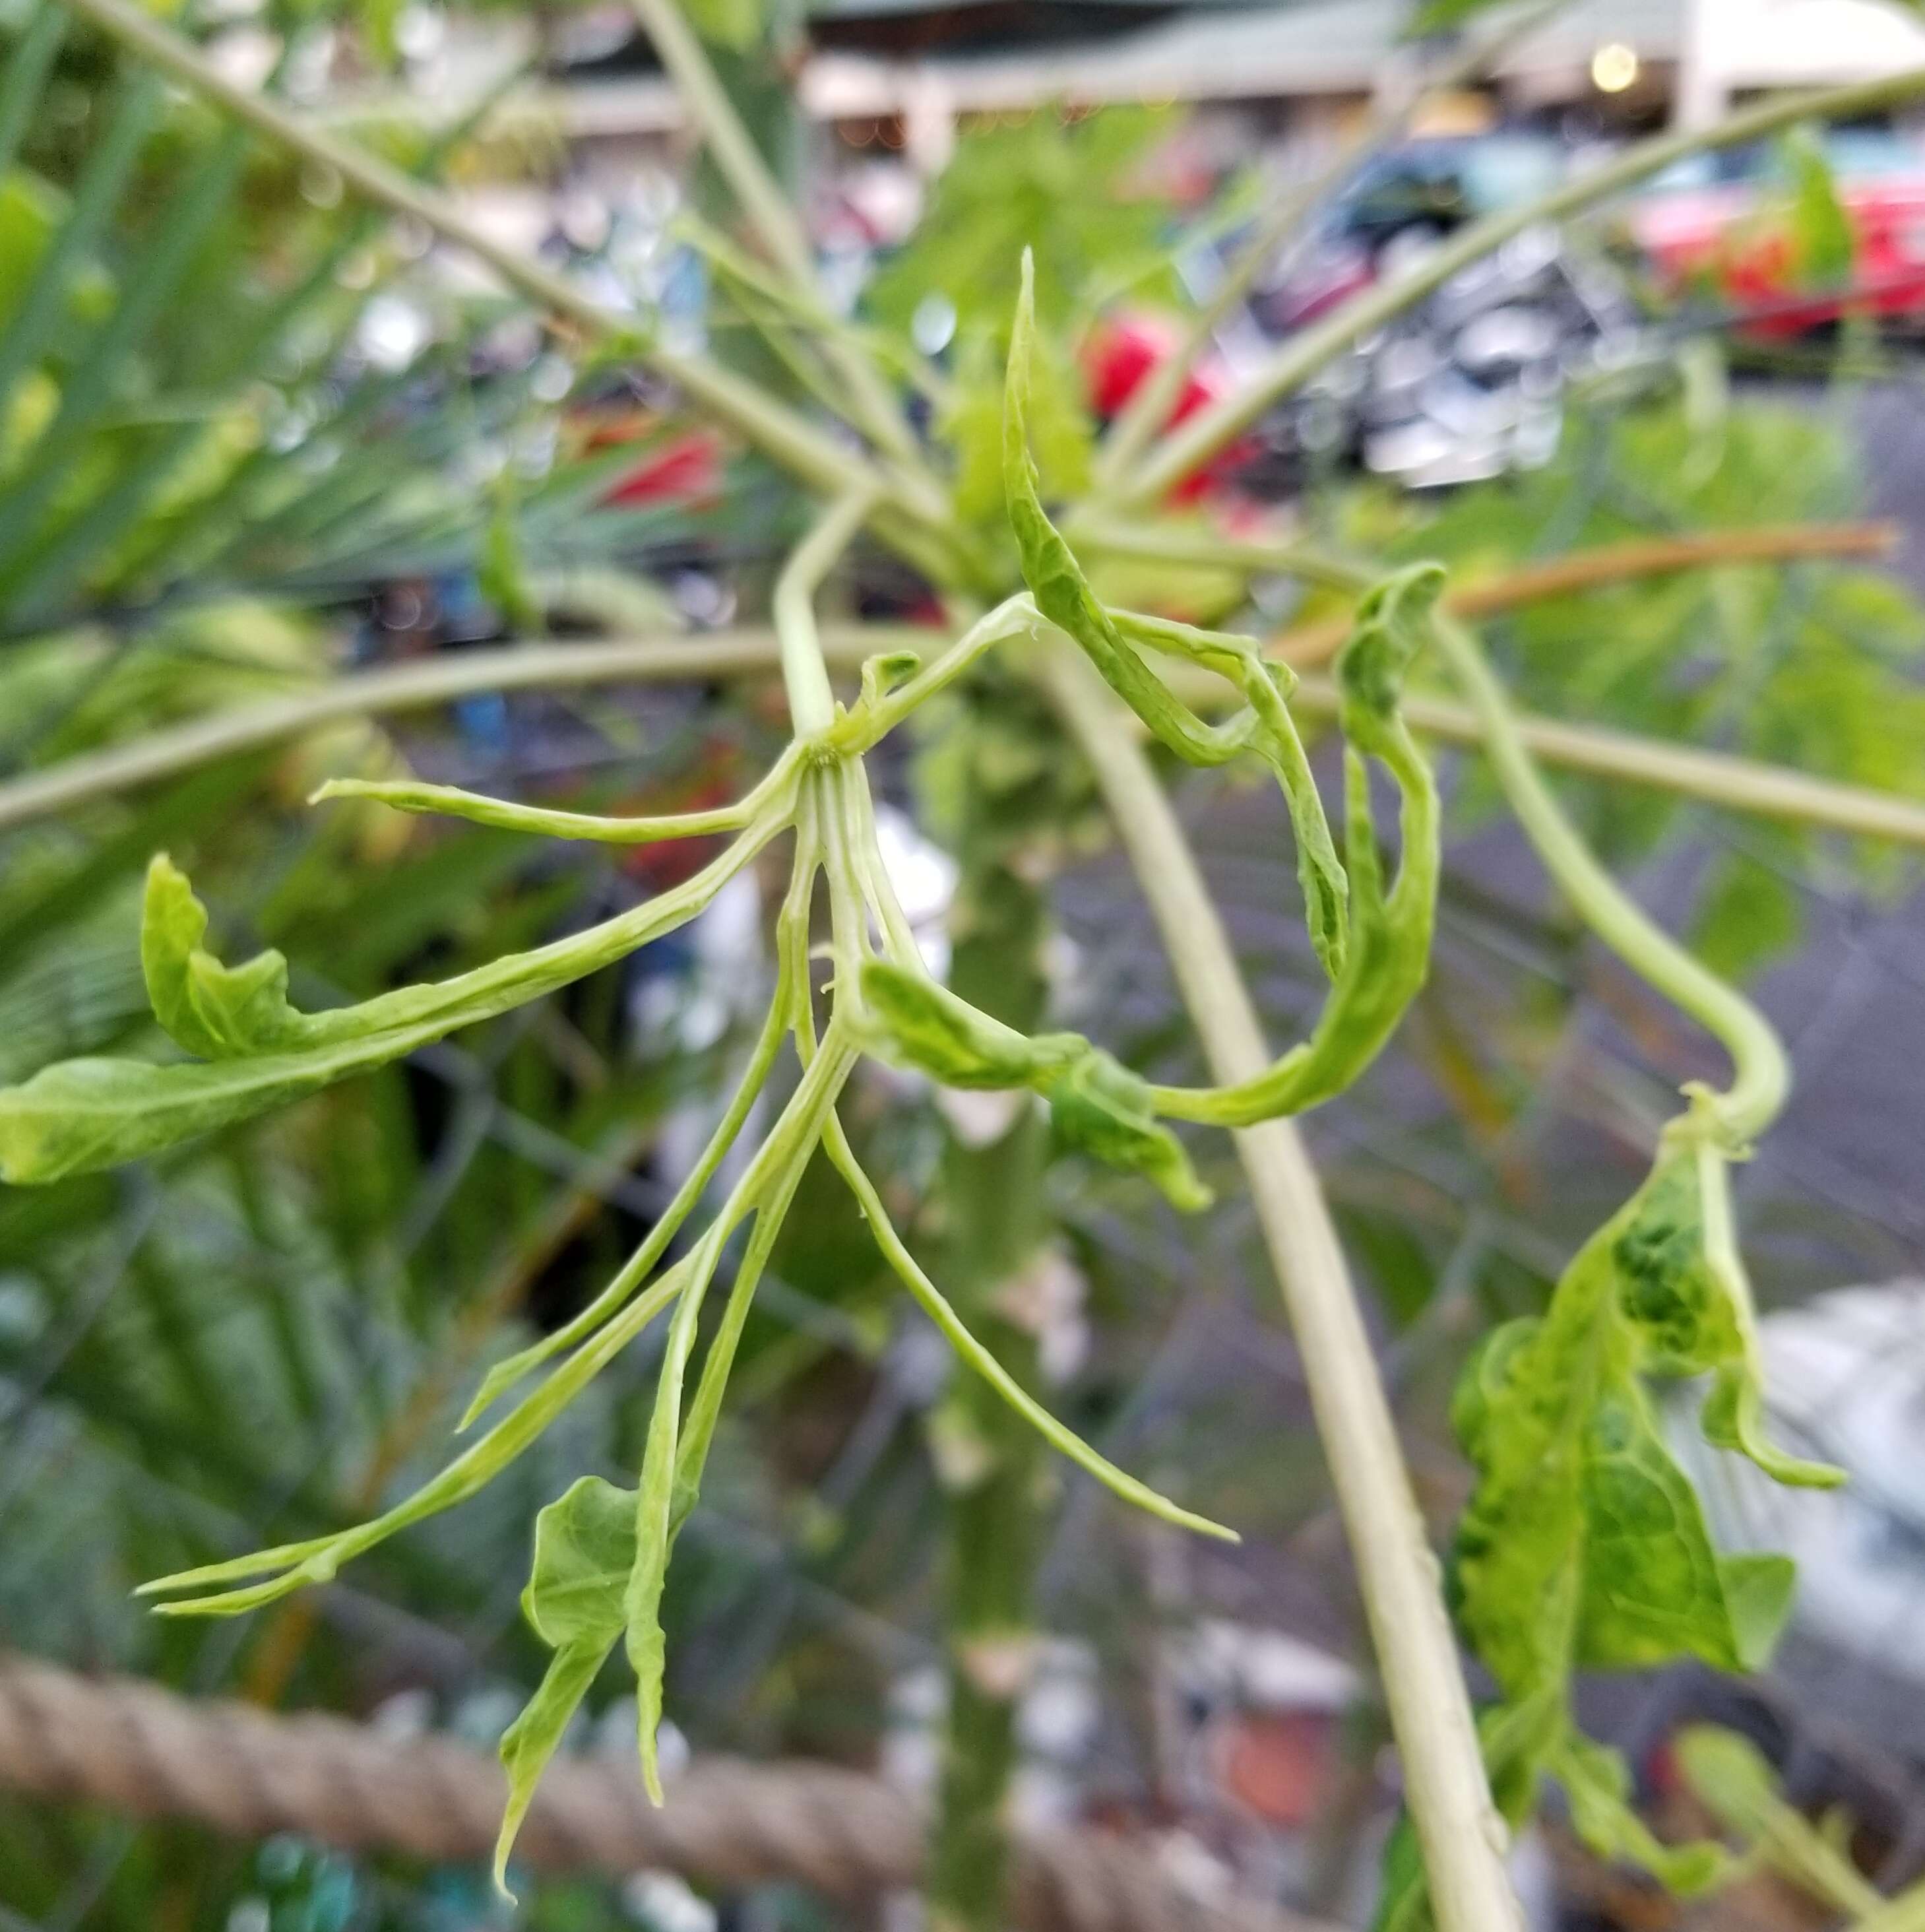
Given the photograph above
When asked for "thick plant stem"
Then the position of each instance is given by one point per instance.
(1735, 783)
(1462, 1837)
(804, 672)
(998, 1229)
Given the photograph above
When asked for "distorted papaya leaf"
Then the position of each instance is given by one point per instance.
(584, 1550)
(1110, 639)
(1099, 1105)
(1584, 1545)
(1390, 628)
(884, 672)
(1603, 1558)
(79, 1115)
(211, 1009)
(923, 1024)
(1733, 1418)
(1597, 1786)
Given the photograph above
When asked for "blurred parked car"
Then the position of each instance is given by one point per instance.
(1470, 383)
(1725, 222)
(1407, 201)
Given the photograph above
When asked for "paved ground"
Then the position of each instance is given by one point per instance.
(1894, 430)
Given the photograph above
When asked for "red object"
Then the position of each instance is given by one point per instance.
(685, 468)
(1119, 354)
(1728, 236)
(1276, 1764)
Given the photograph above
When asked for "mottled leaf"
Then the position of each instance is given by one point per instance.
(1099, 1105)
(584, 1550)
(211, 1009)
(1584, 1546)
(924, 1025)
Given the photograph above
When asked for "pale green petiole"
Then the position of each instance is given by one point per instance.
(1762, 1074)
(637, 1269)
(771, 799)
(764, 1190)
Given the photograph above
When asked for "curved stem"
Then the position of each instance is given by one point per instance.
(1594, 568)
(749, 652)
(647, 1257)
(804, 671)
(1014, 617)
(933, 1303)
(1736, 785)
(1761, 1075)
(1194, 441)
(1447, 1790)
(1716, 777)
(1390, 948)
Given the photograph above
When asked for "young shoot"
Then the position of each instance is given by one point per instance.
(601, 1552)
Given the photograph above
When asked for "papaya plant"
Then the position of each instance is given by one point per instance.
(1582, 1546)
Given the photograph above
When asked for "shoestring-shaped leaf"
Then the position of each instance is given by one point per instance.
(1063, 595)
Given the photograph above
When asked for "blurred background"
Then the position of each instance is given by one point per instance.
(253, 439)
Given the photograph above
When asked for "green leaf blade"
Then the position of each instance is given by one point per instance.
(529, 1743)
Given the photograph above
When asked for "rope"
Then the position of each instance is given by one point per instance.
(131, 1745)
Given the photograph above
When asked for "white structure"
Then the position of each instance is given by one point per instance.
(1845, 1372)
(1703, 53)
(1732, 46)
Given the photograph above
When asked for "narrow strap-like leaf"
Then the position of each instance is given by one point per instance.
(767, 1187)
(62, 556)
(90, 385)
(317, 1560)
(509, 815)
(43, 307)
(27, 70)
(936, 1307)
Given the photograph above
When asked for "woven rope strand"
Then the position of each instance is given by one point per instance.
(131, 1745)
